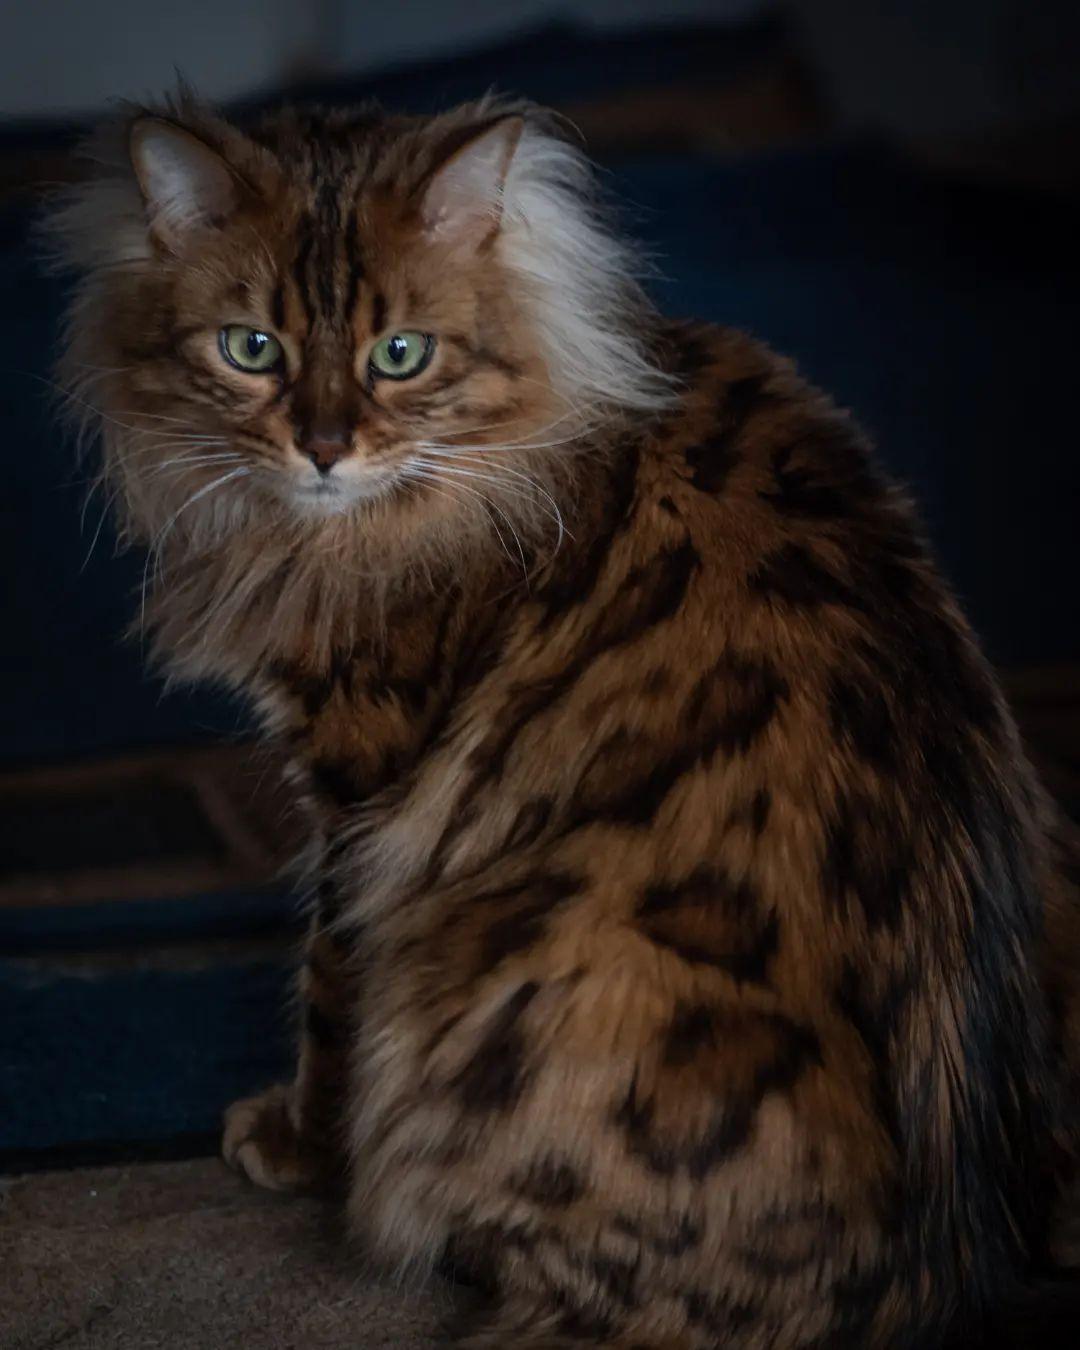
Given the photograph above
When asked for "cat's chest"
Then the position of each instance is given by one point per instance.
(355, 721)
(404, 792)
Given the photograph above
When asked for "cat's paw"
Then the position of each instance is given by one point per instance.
(261, 1140)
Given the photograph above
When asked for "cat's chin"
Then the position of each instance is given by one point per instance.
(335, 497)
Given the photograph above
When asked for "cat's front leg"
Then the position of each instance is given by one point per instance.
(290, 1137)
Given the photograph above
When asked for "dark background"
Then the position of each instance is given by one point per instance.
(889, 192)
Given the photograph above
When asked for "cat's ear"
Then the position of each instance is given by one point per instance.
(185, 184)
(463, 199)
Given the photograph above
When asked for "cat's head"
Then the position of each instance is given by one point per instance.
(341, 316)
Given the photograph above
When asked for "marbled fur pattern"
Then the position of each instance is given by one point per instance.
(692, 961)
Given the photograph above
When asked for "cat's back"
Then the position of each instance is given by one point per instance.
(802, 556)
(732, 854)
(745, 635)
(773, 479)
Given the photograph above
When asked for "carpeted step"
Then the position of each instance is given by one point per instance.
(188, 1256)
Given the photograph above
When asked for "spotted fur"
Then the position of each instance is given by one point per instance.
(693, 958)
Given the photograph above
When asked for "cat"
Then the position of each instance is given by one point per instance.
(693, 956)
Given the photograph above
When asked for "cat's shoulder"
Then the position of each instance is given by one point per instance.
(752, 444)
(741, 401)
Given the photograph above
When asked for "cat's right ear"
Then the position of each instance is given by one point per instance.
(186, 185)
(463, 199)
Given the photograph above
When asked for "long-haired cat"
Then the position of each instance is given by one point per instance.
(692, 959)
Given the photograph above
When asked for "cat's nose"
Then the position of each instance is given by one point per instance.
(324, 452)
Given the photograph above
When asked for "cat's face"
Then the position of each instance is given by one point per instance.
(404, 323)
(332, 327)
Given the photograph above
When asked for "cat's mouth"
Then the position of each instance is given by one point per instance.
(332, 493)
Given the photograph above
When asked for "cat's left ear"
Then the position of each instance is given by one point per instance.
(186, 185)
(463, 199)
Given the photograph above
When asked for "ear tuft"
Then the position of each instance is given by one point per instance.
(184, 183)
(462, 200)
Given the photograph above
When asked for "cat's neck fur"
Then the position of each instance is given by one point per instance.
(234, 609)
(302, 594)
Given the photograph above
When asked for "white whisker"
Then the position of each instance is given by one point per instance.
(159, 540)
(415, 471)
(70, 396)
(106, 508)
(548, 506)
(509, 422)
(487, 447)
(446, 490)
(184, 462)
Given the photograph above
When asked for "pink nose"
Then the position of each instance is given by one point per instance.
(325, 453)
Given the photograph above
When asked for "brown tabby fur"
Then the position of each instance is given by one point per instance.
(677, 967)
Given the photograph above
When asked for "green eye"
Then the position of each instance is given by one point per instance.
(250, 349)
(401, 355)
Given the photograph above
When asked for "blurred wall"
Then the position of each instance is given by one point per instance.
(70, 56)
(944, 68)
(372, 34)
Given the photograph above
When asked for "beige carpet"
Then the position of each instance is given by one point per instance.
(186, 1256)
